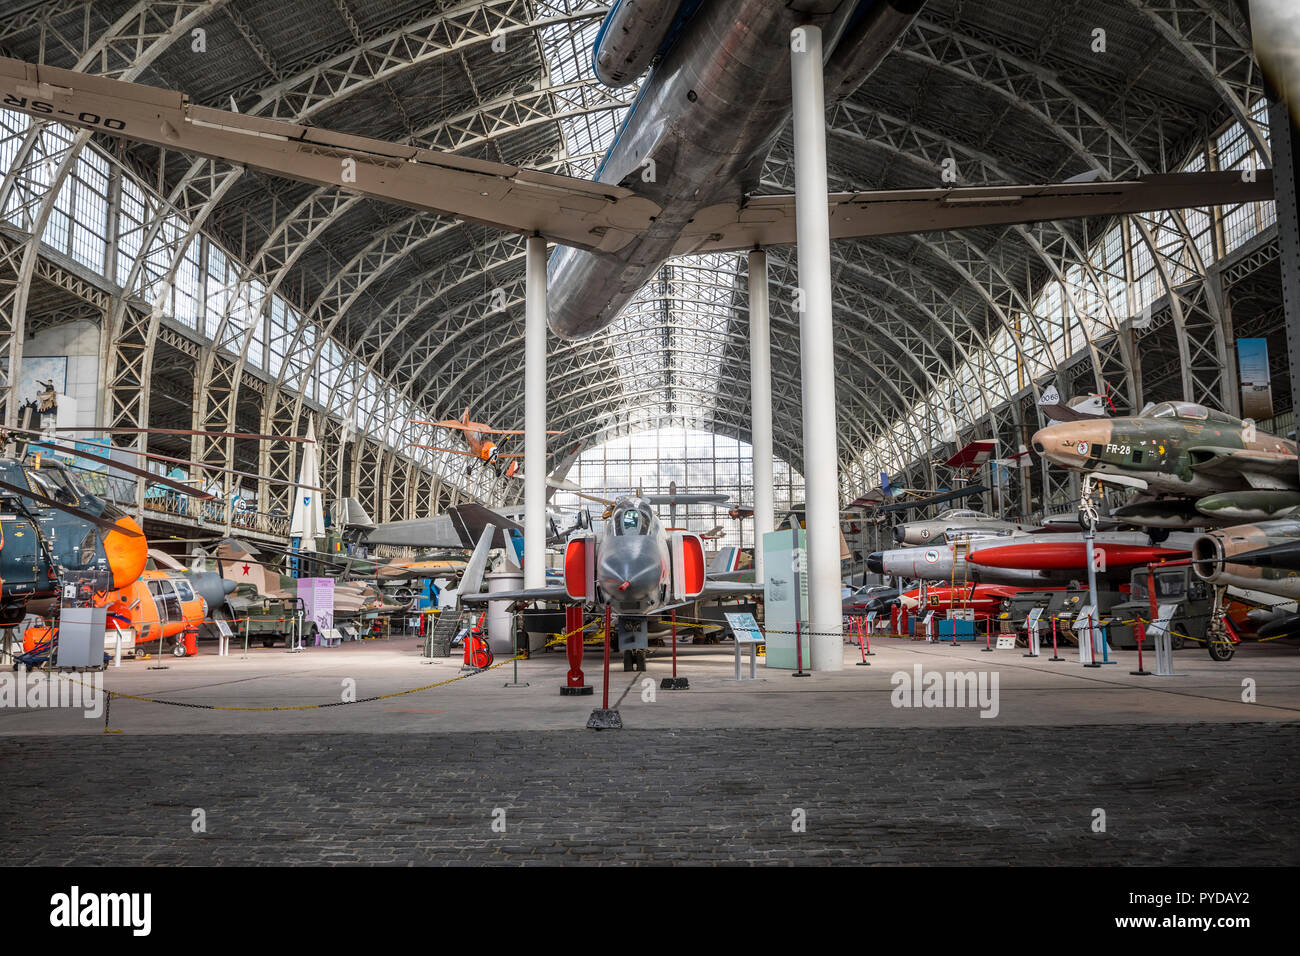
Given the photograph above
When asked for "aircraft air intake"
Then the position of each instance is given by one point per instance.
(1207, 558)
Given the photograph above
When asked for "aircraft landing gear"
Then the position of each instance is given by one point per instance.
(1218, 639)
(634, 660)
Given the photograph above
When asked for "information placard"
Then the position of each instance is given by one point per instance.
(745, 629)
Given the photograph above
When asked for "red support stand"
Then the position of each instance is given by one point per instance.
(798, 651)
(604, 718)
(573, 648)
(1140, 632)
(862, 630)
(1055, 656)
(674, 682)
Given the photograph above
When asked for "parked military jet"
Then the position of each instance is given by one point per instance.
(1185, 456)
(1264, 556)
(461, 526)
(1025, 558)
(637, 568)
(1257, 563)
(952, 523)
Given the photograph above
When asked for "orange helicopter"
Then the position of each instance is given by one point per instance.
(480, 445)
(164, 603)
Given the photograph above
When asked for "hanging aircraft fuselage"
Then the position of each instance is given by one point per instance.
(700, 129)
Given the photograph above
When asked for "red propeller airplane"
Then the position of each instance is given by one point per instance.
(480, 445)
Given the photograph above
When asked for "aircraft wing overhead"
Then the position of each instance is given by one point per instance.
(973, 455)
(471, 518)
(688, 498)
(575, 212)
(523, 594)
(934, 499)
(770, 220)
(436, 531)
(1211, 460)
(730, 588)
(450, 451)
(1060, 412)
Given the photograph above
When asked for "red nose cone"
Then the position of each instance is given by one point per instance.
(624, 586)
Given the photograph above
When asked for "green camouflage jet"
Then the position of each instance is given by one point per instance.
(1192, 463)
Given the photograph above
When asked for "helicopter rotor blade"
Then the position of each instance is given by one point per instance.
(178, 431)
(184, 461)
(75, 512)
(133, 470)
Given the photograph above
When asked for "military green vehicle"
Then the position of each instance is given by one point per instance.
(1178, 585)
(262, 619)
(1062, 603)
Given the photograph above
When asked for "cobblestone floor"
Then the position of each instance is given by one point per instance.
(1198, 794)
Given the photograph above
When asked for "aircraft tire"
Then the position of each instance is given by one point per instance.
(629, 662)
(1220, 650)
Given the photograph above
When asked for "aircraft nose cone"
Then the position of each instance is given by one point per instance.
(629, 578)
(1070, 443)
(875, 564)
(900, 533)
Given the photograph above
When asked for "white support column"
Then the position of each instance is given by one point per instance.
(760, 402)
(535, 415)
(817, 345)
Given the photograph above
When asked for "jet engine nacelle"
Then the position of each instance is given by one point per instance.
(686, 552)
(580, 568)
(628, 40)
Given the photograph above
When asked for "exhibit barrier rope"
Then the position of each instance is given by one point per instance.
(598, 637)
(110, 694)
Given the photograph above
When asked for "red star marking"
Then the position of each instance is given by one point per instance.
(245, 569)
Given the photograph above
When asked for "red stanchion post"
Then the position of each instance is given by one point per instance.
(1092, 645)
(1140, 629)
(862, 630)
(604, 718)
(674, 645)
(674, 682)
(1055, 656)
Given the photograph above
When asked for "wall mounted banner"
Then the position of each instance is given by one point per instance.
(1256, 381)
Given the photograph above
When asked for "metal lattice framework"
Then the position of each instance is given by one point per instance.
(278, 303)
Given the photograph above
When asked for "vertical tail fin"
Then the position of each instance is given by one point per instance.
(471, 581)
